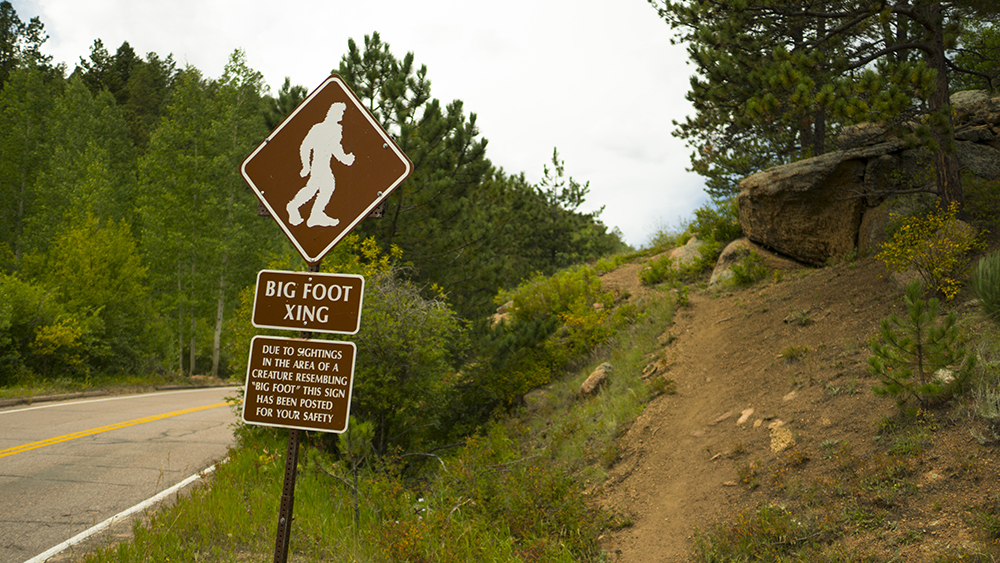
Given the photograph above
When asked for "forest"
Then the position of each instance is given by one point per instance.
(128, 238)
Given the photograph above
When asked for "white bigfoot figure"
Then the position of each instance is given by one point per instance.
(321, 145)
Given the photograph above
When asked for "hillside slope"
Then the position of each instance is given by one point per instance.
(774, 405)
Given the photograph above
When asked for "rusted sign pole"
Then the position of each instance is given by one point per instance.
(287, 506)
(287, 497)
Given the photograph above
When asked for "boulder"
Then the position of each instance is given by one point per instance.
(503, 314)
(982, 161)
(806, 209)
(821, 208)
(977, 134)
(904, 170)
(687, 253)
(596, 380)
(741, 248)
(975, 107)
(860, 135)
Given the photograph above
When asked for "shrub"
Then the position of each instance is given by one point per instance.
(936, 246)
(986, 284)
(750, 269)
(916, 349)
(718, 221)
(37, 335)
(656, 271)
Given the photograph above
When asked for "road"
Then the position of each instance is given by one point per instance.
(67, 466)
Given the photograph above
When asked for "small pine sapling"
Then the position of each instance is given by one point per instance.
(913, 361)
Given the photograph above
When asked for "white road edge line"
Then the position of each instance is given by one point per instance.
(42, 557)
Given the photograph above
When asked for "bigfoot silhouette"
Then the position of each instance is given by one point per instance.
(321, 145)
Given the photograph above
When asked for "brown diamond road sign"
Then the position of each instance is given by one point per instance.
(325, 168)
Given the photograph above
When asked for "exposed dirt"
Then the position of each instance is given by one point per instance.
(774, 396)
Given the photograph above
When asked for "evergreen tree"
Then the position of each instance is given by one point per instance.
(175, 209)
(465, 226)
(978, 51)
(289, 97)
(140, 87)
(90, 165)
(859, 60)
(20, 42)
(753, 109)
(916, 350)
(242, 239)
(438, 215)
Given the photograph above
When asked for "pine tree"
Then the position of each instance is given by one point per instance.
(917, 349)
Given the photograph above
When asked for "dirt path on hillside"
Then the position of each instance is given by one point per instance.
(742, 397)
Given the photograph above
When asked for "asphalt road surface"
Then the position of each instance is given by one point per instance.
(67, 466)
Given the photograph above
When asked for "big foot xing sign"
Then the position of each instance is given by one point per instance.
(325, 168)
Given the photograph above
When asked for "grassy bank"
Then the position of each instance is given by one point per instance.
(515, 491)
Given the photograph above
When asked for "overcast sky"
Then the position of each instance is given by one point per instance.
(597, 79)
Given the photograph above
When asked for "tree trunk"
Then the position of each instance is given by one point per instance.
(217, 337)
(180, 324)
(193, 350)
(947, 170)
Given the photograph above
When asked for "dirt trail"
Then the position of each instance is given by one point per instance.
(730, 353)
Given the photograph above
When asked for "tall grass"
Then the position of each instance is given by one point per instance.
(986, 284)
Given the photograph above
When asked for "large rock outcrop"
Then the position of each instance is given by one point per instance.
(822, 208)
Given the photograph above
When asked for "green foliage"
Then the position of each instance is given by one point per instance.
(914, 351)
(982, 202)
(38, 337)
(550, 323)
(199, 229)
(657, 270)
(25, 100)
(986, 284)
(935, 245)
(20, 42)
(718, 221)
(980, 54)
(289, 97)
(750, 269)
(140, 87)
(98, 274)
(466, 226)
(497, 502)
(522, 492)
(404, 370)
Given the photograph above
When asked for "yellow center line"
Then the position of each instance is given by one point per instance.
(98, 430)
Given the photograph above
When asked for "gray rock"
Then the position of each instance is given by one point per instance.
(689, 252)
(805, 209)
(981, 160)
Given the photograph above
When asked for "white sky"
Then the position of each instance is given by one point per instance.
(597, 79)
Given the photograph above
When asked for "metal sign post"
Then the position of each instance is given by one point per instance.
(287, 497)
(287, 506)
(326, 167)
